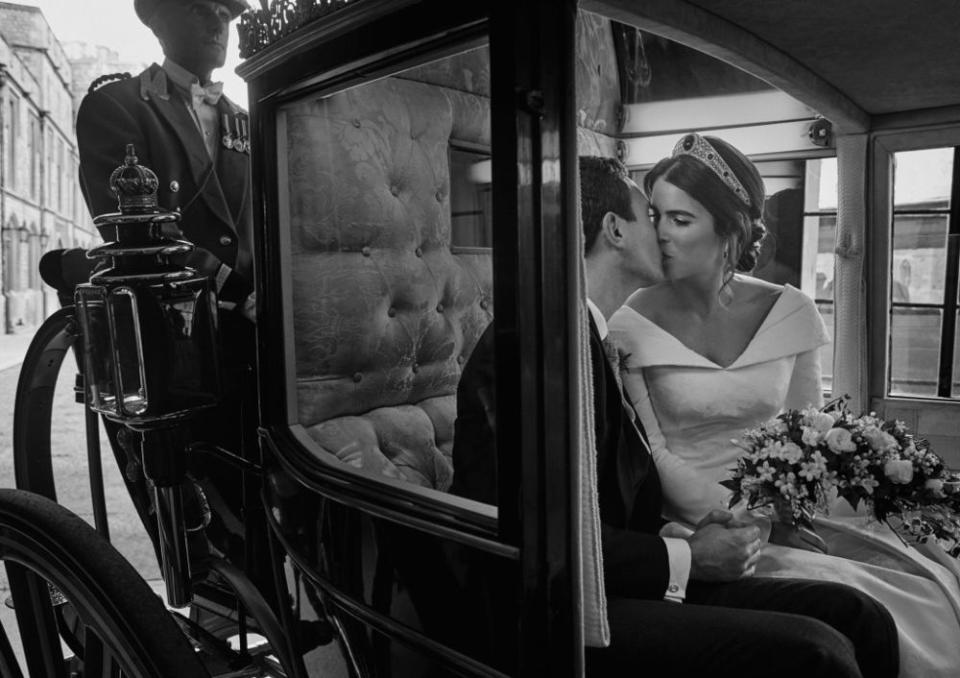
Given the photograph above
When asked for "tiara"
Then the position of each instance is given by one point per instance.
(700, 148)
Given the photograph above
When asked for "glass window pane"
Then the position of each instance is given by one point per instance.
(826, 351)
(385, 197)
(821, 185)
(914, 351)
(955, 385)
(823, 231)
(919, 262)
(923, 177)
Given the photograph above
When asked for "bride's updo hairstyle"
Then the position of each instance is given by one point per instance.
(728, 185)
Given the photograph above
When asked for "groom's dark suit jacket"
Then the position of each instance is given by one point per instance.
(635, 558)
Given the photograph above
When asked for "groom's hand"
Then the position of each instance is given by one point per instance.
(722, 553)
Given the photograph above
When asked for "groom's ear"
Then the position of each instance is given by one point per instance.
(610, 229)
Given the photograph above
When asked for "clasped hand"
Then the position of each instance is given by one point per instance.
(724, 548)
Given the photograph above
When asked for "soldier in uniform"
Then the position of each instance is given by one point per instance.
(186, 131)
(196, 141)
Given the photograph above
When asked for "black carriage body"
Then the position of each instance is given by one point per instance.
(373, 546)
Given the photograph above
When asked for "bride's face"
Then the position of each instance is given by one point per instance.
(689, 244)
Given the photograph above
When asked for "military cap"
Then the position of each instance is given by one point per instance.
(147, 9)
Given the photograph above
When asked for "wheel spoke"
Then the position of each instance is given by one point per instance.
(35, 619)
(97, 661)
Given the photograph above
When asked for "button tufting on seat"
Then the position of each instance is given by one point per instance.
(357, 377)
(439, 308)
(392, 312)
(418, 252)
(365, 251)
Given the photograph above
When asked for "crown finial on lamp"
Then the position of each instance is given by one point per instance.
(135, 185)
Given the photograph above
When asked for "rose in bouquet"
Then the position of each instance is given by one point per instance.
(794, 464)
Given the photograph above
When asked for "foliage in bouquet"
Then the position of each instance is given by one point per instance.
(794, 462)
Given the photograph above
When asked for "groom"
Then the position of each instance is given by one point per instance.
(679, 606)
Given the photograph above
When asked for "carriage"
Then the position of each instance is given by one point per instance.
(414, 170)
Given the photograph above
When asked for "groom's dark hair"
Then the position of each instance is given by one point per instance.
(603, 188)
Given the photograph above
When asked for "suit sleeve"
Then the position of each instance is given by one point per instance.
(474, 438)
(104, 128)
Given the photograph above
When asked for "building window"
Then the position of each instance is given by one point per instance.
(924, 359)
(14, 128)
(34, 152)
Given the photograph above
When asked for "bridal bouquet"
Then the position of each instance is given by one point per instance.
(798, 461)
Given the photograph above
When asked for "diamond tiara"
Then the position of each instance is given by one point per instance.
(698, 147)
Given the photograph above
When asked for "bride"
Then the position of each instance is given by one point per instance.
(710, 352)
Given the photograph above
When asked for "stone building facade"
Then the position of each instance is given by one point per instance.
(41, 207)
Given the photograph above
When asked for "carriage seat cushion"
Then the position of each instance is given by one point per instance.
(386, 311)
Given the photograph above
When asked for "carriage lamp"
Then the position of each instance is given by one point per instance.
(151, 353)
(150, 345)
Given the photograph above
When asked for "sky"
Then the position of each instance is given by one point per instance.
(113, 24)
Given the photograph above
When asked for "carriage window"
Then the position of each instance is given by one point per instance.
(470, 196)
(820, 239)
(386, 189)
(924, 356)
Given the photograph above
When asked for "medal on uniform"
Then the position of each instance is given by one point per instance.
(227, 139)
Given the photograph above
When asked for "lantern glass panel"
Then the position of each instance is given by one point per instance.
(97, 353)
(128, 350)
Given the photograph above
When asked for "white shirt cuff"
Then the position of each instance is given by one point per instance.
(678, 556)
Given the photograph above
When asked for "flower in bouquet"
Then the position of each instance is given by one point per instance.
(794, 462)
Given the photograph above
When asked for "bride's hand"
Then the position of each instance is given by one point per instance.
(742, 517)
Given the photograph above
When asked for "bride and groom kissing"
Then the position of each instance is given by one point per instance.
(682, 601)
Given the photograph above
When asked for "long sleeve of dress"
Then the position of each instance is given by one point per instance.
(806, 387)
(688, 495)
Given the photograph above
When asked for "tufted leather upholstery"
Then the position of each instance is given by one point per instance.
(386, 311)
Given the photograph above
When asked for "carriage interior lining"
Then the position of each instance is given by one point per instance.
(387, 307)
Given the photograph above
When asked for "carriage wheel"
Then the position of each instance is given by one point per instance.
(37, 400)
(71, 589)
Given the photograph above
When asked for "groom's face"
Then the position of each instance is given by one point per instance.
(642, 252)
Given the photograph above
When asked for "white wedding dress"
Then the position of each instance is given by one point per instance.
(693, 409)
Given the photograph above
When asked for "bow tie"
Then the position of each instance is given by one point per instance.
(210, 94)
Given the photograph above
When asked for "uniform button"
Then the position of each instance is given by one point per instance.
(356, 122)
(357, 377)
(674, 588)
(225, 240)
(461, 359)
(365, 251)
(174, 186)
(394, 190)
(418, 252)
(439, 308)
(483, 304)
(439, 196)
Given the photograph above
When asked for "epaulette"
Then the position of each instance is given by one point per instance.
(104, 79)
